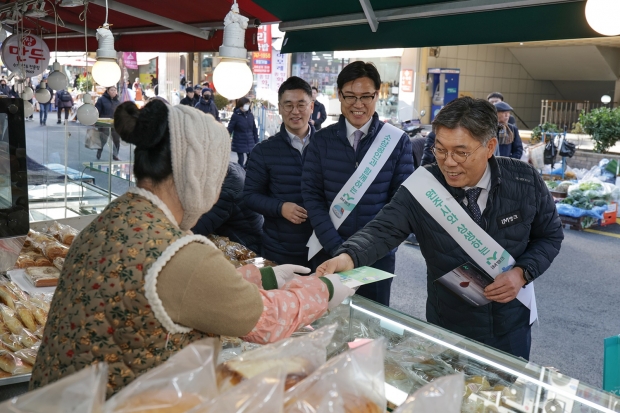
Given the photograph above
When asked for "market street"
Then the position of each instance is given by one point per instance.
(576, 312)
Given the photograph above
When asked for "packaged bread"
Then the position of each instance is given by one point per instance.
(10, 320)
(43, 276)
(32, 259)
(28, 355)
(63, 233)
(7, 297)
(27, 338)
(59, 263)
(11, 342)
(158, 402)
(14, 365)
(25, 316)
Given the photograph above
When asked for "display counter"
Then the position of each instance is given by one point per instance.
(419, 352)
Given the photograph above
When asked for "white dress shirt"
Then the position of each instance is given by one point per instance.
(351, 130)
(485, 184)
(297, 142)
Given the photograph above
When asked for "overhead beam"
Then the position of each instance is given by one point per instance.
(153, 18)
(128, 31)
(370, 15)
(415, 12)
(76, 28)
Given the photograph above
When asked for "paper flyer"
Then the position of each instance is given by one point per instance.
(468, 282)
(362, 276)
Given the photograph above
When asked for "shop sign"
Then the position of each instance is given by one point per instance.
(261, 60)
(279, 74)
(28, 52)
(130, 60)
(406, 80)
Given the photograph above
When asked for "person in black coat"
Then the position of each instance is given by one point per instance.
(63, 100)
(189, 100)
(106, 105)
(243, 130)
(510, 144)
(503, 188)
(230, 217)
(318, 113)
(427, 155)
(206, 103)
(4, 89)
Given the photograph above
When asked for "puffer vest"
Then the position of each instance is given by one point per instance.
(106, 308)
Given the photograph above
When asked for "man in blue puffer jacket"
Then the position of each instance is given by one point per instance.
(273, 180)
(206, 103)
(333, 156)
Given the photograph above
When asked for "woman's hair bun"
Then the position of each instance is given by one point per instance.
(144, 128)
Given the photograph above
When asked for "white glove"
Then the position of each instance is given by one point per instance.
(341, 291)
(285, 273)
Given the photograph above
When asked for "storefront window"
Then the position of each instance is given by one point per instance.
(206, 67)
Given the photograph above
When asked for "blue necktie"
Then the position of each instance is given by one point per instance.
(472, 195)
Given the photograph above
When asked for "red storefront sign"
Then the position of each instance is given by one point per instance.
(130, 59)
(261, 60)
(406, 80)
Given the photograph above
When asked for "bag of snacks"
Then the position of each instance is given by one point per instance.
(82, 392)
(63, 233)
(43, 276)
(442, 395)
(297, 356)
(183, 382)
(352, 382)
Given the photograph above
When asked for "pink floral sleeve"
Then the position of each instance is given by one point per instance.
(299, 303)
(251, 274)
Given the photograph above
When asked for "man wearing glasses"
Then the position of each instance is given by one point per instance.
(354, 167)
(470, 206)
(273, 178)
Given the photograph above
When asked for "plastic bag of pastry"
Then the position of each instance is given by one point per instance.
(27, 354)
(263, 393)
(25, 316)
(59, 263)
(298, 356)
(7, 297)
(352, 382)
(184, 381)
(32, 259)
(10, 319)
(43, 276)
(81, 392)
(442, 395)
(52, 249)
(63, 233)
(13, 364)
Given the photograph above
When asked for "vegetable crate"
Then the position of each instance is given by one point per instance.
(573, 223)
(610, 216)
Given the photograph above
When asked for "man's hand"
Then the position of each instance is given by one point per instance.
(343, 262)
(506, 286)
(294, 213)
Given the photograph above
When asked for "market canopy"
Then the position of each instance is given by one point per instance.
(140, 25)
(348, 24)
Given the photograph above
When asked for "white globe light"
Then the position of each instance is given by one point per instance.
(87, 114)
(57, 80)
(42, 94)
(602, 16)
(28, 109)
(232, 78)
(27, 94)
(605, 99)
(106, 72)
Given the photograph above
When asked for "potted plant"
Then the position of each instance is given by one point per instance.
(603, 124)
(538, 130)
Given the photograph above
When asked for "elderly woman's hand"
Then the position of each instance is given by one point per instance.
(285, 273)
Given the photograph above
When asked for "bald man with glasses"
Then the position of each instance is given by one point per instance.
(351, 170)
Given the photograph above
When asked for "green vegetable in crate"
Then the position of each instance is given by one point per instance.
(551, 184)
(576, 193)
(587, 222)
(590, 186)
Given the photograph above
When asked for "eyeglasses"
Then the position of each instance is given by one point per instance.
(301, 106)
(352, 100)
(458, 156)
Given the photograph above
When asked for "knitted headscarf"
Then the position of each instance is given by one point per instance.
(200, 148)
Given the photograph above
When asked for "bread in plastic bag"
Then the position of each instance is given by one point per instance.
(263, 393)
(82, 392)
(352, 382)
(63, 233)
(444, 395)
(298, 356)
(184, 381)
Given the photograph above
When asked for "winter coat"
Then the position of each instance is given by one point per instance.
(208, 107)
(330, 161)
(318, 115)
(274, 177)
(427, 156)
(534, 242)
(106, 105)
(514, 149)
(243, 130)
(59, 103)
(187, 101)
(5, 90)
(230, 217)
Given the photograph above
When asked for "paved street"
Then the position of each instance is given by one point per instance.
(577, 297)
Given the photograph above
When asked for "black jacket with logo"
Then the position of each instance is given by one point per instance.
(533, 240)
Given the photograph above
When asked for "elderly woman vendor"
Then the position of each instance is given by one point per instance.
(137, 287)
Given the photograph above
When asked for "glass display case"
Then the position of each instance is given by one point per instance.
(419, 352)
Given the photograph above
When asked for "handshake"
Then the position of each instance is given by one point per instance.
(285, 273)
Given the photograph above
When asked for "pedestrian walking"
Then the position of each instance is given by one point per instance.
(318, 113)
(206, 103)
(359, 144)
(243, 130)
(470, 208)
(63, 100)
(45, 107)
(273, 180)
(106, 105)
(188, 100)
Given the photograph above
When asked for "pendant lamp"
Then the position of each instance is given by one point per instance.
(87, 114)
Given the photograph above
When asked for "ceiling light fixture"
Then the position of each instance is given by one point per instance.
(87, 114)
(602, 16)
(37, 12)
(106, 71)
(232, 77)
(14, 18)
(57, 79)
